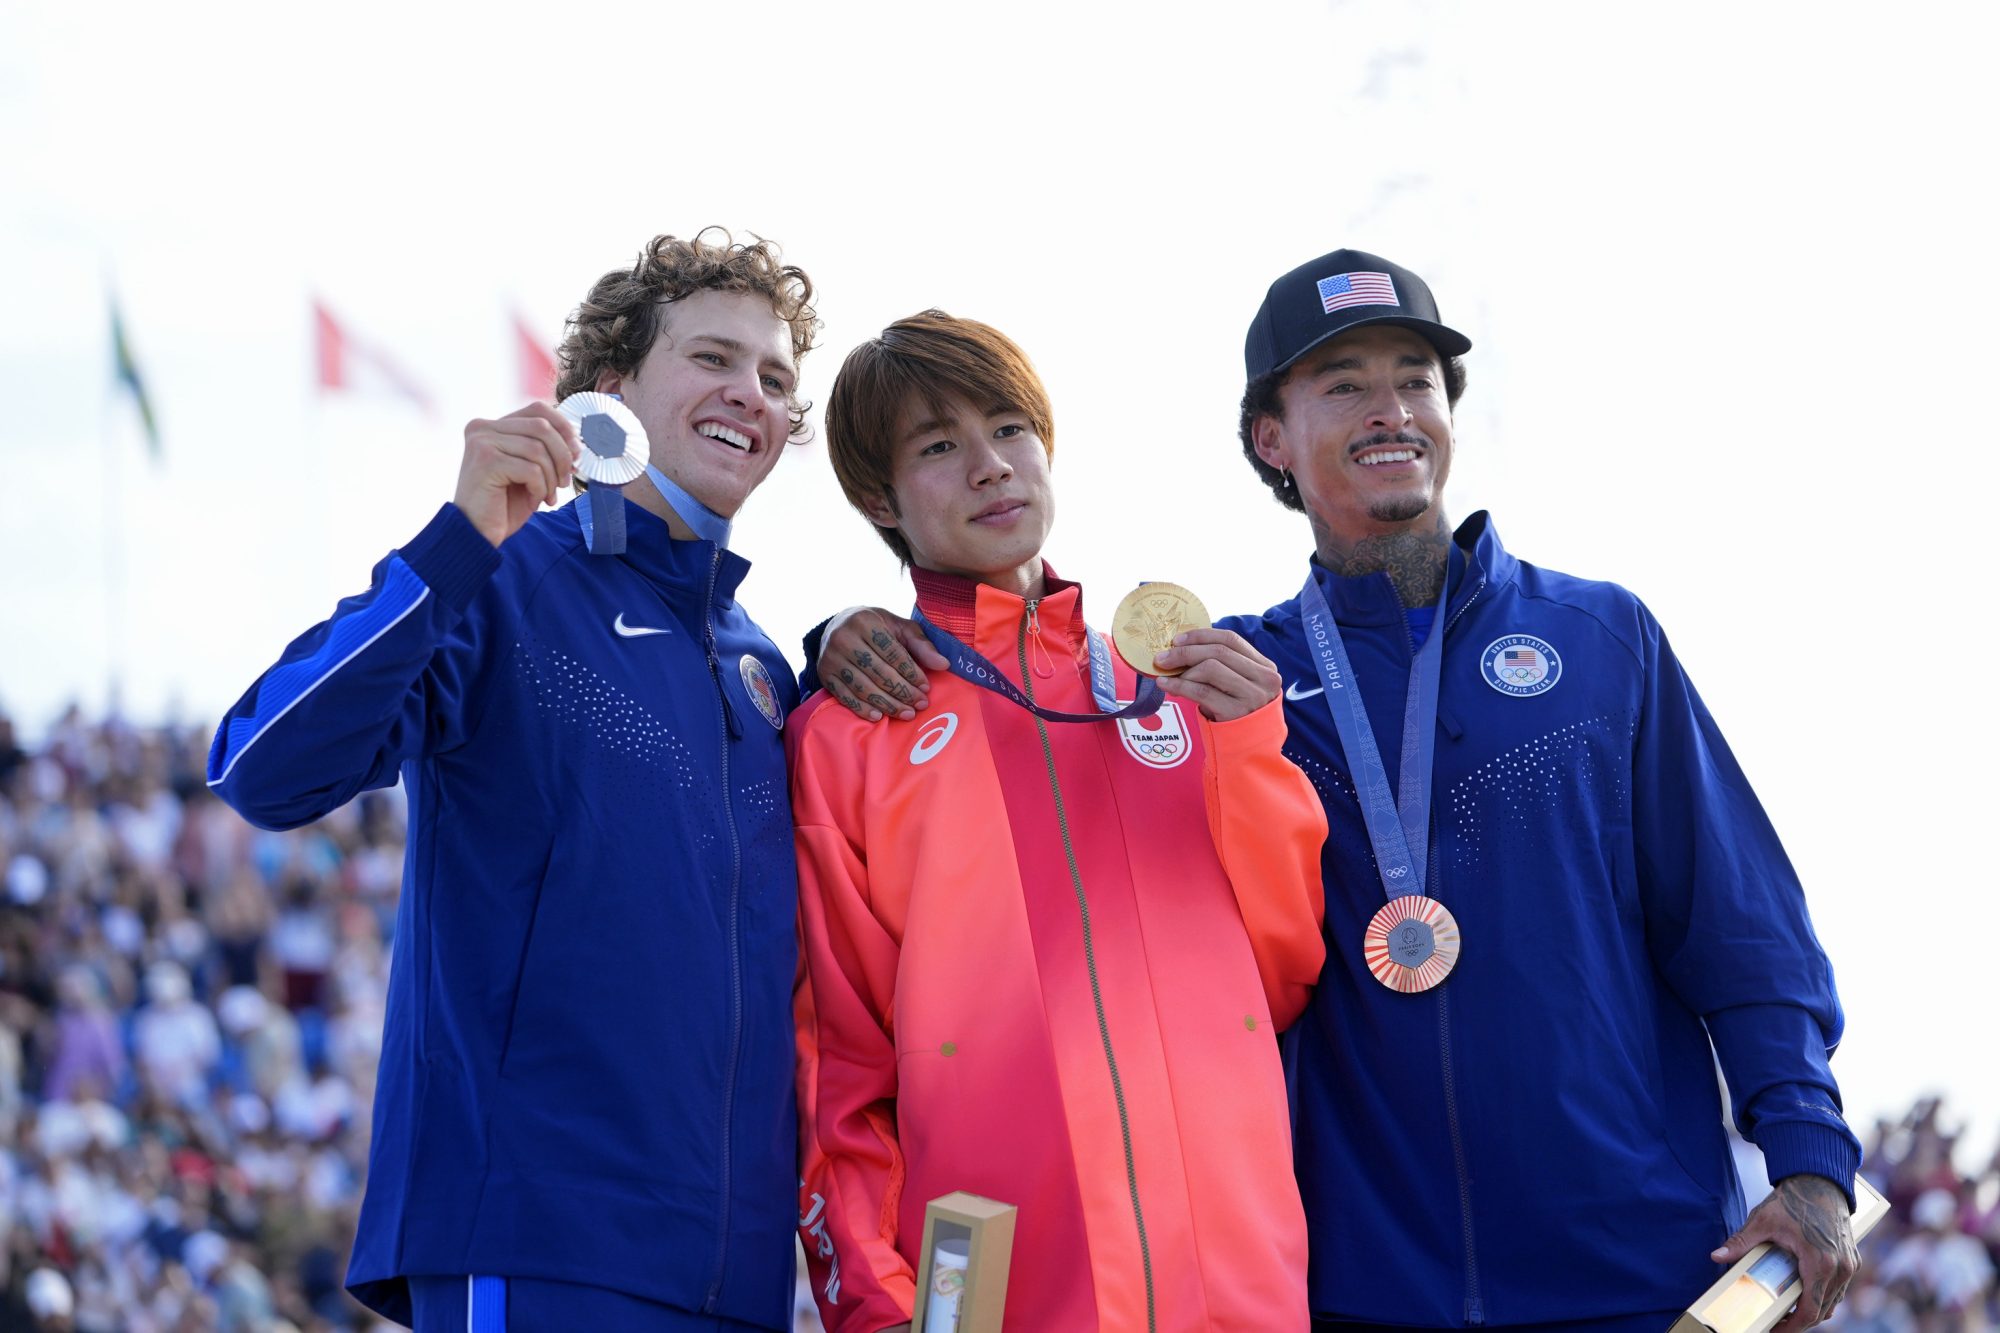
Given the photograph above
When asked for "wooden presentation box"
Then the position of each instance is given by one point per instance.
(983, 1229)
(1764, 1284)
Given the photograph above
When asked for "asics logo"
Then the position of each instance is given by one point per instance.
(626, 631)
(937, 734)
(1294, 693)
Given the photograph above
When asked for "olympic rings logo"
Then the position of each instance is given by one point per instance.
(1159, 741)
(1520, 665)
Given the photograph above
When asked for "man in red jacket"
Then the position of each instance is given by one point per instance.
(1049, 935)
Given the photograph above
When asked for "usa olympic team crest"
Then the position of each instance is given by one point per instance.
(757, 681)
(1521, 665)
(1159, 741)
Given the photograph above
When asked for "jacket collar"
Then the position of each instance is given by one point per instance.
(989, 620)
(675, 567)
(1477, 557)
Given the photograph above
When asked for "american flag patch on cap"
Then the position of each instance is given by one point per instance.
(1346, 289)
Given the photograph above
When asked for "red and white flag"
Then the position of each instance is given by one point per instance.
(346, 364)
(535, 363)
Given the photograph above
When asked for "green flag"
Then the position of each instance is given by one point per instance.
(127, 370)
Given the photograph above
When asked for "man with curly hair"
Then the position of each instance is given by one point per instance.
(584, 1117)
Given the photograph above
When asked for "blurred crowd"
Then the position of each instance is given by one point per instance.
(1934, 1265)
(190, 1015)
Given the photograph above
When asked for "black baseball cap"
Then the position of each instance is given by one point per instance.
(1347, 289)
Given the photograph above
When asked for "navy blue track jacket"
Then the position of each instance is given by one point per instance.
(1540, 1138)
(586, 1068)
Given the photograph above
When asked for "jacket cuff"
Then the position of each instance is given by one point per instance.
(451, 557)
(1798, 1148)
(1264, 728)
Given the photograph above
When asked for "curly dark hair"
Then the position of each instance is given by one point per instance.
(1260, 399)
(619, 321)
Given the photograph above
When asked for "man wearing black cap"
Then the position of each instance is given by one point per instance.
(1549, 888)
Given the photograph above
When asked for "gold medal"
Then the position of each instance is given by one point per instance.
(1412, 944)
(1146, 622)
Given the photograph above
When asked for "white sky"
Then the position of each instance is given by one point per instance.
(1727, 269)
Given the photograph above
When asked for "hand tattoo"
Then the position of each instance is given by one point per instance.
(1818, 1208)
(847, 677)
(864, 659)
(883, 704)
(1818, 1218)
(883, 641)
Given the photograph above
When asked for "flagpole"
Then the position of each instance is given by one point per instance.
(114, 559)
(114, 538)
(329, 361)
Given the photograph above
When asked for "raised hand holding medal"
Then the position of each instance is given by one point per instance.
(512, 466)
(1164, 631)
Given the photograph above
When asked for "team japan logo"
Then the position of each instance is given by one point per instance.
(1521, 664)
(1159, 741)
(763, 693)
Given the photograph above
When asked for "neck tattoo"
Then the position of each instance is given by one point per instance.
(1414, 560)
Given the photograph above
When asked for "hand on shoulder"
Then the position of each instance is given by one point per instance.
(868, 663)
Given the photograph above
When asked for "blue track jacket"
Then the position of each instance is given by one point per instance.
(1540, 1138)
(587, 1063)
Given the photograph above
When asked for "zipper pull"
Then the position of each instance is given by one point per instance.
(708, 642)
(728, 713)
(715, 675)
(1039, 659)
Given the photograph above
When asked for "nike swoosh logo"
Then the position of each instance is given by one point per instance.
(626, 631)
(1294, 693)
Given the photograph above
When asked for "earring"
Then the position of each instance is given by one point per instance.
(1287, 473)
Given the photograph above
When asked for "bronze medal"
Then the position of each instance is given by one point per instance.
(1411, 944)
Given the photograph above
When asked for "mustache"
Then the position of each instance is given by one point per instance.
(1409, 437)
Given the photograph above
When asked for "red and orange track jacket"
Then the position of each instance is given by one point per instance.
(1046, 963)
